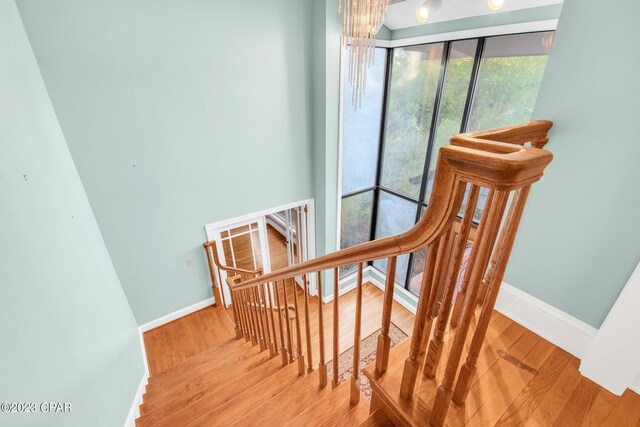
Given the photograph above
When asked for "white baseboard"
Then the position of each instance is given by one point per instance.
(134, 412)
(561, 329)
(397, 290)
(176, 314)
(340, 293)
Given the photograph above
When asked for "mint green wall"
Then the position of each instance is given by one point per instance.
(177, 114)
(325, 97)
(540, 13)
(578, 242)
(68, 334)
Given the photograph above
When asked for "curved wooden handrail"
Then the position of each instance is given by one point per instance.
(214, 249)
(496, 158)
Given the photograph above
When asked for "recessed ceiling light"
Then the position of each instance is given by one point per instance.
(495, 4)
(428, 9)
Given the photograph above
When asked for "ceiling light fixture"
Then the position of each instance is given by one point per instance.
(361, 20)
(428, 9)
(495, 4)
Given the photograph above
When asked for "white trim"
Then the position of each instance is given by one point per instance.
(134, 411)
(340, 144)
(342, 291)
(498, 30)
(369, 276)
(398, 289)
(254, 215)
(556, 326)
(613, 360)
(176, 315)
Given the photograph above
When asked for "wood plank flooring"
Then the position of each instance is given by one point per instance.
(521, 378)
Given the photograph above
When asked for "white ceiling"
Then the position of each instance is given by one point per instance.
(403, 14)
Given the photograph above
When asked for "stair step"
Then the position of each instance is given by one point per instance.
(377, 419)
(202, 401)
(417, 410)
(200, 381)
(203, 414)
(333, 409)
(213, 356)
(288, 404)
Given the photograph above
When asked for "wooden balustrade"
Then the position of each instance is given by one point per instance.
(497, 160)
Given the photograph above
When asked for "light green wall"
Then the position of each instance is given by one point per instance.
(325, 101)
(578, 242)
(540, 13)
(177, 114)
(68, 334)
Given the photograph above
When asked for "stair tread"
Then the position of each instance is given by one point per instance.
(377, 419)
(417, 410)
(210, 398)
(210, 357)
(297, 397)
(201, 414)
(199, 381)
(333, 409)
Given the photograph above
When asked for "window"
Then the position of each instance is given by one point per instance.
(420, 96)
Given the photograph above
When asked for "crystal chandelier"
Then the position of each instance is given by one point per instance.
(360, 22)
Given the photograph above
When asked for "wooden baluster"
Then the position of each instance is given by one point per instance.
(478, 261)
(286, 313)
(283, 348)
(355, 376)
(250, 309)
(307, 324)
(336, 326)
(243, 323)
(263, 310)
(322, 367)
(214, 287)
(384, 340)
(269, 291)
(416, 354)
(435, 346)
(236, 315)
(300, 355)
(499, 265)
(247, 317)
(259, 319)
(442, 265)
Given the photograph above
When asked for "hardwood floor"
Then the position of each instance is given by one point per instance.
(521, 379)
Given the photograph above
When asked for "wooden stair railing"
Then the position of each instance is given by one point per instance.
(505, 161)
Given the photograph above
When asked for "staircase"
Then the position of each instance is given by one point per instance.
(267, 375)
(236, 383)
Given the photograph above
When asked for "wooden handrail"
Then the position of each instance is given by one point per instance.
(216, 259)
(505, 161)
(471, 157)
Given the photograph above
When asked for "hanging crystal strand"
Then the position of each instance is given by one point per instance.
(361, 19)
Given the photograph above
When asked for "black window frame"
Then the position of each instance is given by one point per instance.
(377, 188)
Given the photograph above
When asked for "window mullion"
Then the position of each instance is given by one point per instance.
(473, 83)
(432, 133)
(383, 125)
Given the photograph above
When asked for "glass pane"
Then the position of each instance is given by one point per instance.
(510, 75)
(414, 84)
(454, 98)
(361, 135)
(355, 225)
(395, 215)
